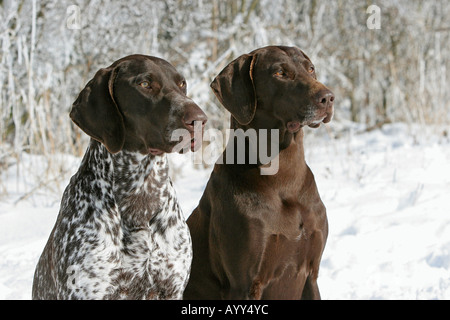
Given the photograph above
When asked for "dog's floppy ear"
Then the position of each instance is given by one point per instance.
(235, 89)
(96, 112)
(304, 54)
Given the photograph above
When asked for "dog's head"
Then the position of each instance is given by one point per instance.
(135, 105)
(274, 87)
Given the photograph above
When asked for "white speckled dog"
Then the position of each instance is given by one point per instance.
(120, 233)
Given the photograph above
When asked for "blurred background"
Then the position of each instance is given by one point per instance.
(382, 162)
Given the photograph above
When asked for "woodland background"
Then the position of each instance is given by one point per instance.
(50, 49)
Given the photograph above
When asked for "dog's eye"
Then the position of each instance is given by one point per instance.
(145, 84)
(280, 73)
(311, 69)
(182, 84)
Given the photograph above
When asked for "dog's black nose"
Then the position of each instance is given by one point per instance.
(194, 113)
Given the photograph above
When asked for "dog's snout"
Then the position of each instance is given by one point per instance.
(193, 114)
(325, 98)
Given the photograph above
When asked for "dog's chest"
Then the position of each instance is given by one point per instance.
(157, 254)
(130, 239)
(156, 245)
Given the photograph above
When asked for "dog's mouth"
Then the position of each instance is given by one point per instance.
(193, 144)
(155, 152)
(180, 144)
(188, 141)
(314, 122)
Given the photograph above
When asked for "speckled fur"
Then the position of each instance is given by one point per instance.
(120, 233)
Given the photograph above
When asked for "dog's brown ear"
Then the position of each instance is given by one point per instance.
(235, 89)
(96, 112)
(304, 54)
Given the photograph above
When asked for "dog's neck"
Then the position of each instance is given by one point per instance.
(288, 151)
(289, 178)
(138, 183)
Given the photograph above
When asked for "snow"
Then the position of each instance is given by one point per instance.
(386, 193)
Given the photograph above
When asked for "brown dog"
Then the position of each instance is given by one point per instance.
(262, 236)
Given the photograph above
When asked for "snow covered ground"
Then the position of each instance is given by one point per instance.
(387, 194)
